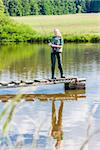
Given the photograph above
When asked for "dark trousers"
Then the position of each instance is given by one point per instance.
(57, 55)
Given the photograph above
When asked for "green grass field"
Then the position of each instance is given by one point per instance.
(68, 24)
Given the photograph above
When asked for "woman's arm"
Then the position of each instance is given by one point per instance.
(57, 46)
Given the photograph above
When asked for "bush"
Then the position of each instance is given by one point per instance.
(93, 38)
(12, 31)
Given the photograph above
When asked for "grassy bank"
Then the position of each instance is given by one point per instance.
(74, 27)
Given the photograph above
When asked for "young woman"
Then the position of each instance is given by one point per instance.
(56, 52)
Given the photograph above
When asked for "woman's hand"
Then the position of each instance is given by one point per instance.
(56, 46)
(50, 44)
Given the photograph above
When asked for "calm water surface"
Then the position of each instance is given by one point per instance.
(52, 124)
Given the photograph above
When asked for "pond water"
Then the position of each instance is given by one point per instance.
(52, 123)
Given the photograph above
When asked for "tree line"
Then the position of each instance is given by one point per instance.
(50, 7)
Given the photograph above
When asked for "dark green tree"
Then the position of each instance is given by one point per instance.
(57, 8)
(95, 6)
(65, 7)
(1, 7)
(34, 9)
(80, 6)
(47, 7)
(19, 8)
(50, 7)
(88, 6)
(25, 7)
(72, 6)
(14, 7)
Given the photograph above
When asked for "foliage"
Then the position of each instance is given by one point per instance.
(10, 31)
(50, 7)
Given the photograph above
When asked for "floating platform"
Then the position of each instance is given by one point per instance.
(70, 83)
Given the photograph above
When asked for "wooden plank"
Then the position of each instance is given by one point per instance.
(70, 83)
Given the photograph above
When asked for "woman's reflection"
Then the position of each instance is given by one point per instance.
(56, 131)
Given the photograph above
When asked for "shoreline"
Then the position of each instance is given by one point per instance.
(76, 38)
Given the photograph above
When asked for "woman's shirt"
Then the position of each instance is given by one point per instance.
(57, 40)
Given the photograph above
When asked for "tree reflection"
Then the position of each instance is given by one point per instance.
(28, 61)
(56, 131)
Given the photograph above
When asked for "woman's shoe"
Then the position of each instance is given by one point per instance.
(63, 77)
(54, 78)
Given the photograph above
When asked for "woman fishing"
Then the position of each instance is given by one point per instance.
(56, 52)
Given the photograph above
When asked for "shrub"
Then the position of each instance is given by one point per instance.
(12, 31)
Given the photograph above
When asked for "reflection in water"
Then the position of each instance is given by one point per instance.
(57, 132)
(29, 61)
(26, 62)
(68, 95)
(34, 135)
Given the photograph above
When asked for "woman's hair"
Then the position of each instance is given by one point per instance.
(57, 32)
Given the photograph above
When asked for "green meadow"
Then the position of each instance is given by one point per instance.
(39, 29)
(74, 27)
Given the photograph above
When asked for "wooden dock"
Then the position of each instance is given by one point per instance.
(70, 83)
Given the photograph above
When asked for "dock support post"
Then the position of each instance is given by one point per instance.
(71, 85)
(66, 85)
(74, 85)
